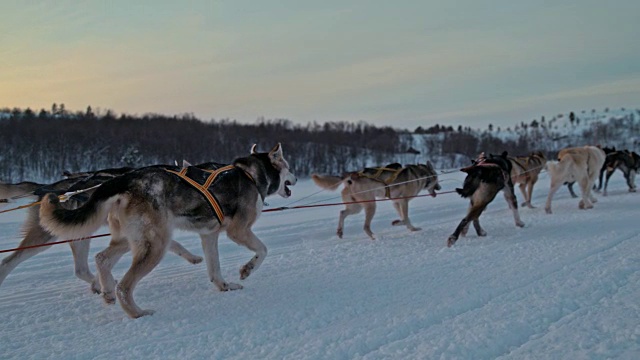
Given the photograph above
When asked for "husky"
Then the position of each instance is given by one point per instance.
(525, 171)
(576, 164)
(485, 178)
(34, 234)
(393, 181)
(627, 161)
(607, 151)
(144, 206)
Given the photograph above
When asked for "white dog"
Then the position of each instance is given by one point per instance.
(580, 164)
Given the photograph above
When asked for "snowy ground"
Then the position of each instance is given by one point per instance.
(567, 286)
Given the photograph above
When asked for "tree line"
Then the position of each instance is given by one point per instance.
(39, 146)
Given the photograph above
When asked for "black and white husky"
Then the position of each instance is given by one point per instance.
(485, 178)
(144, 206)
(627, 161)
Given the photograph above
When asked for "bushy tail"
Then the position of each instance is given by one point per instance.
(329, 182)
(8, 191)
(85, 220)
(552, 167)
(471, 184)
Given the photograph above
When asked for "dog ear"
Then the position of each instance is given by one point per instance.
(276, 152)
(253, 149)
(185, 163)
(504, 154)
(429, 165)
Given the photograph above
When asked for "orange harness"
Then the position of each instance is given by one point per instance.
(204, 187)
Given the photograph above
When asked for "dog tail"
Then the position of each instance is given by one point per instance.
(551, 167)
(8, 191)
(85, 220)
(329, 182)
(471, 184)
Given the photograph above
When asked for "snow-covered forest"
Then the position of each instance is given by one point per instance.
(39, 146)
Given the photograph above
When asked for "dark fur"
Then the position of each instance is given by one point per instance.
(626, 161)
(483, 182)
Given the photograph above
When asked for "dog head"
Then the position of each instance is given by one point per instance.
(280, 164)
(432, 185)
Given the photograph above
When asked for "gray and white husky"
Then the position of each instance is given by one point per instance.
(145, 205)
(34, 234)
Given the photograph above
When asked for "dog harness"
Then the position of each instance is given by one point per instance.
(378, 173)
(204, 188)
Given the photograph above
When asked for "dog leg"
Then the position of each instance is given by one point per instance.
(474, 213)
(80, 251)
(555, 185)
(510, 197)
(464, 230)
(570, 187)
(632, 181)
(402, 207)
(147, 253)
(105, 260)
(606, 181)
(585, 202)
(532, 182)
(523, 188)
(456, 233)
(604, 168)
(177, 248)
(369, 211)
(212, 259)
(243, 235)
(400, 221)
(479, 230)
(35, 236)
(349, 210)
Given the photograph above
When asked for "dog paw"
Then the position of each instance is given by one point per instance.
(245, 271)
(519, 224)
(482, 233)
(109, 298)
(230, 286)
(339, 233)
(451, 240)
(397, 222)
(95, 287)
(195, 260)
(415, 228)
(547, 210)
(143, 313)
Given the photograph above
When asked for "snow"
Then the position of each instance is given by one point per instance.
(566, 286)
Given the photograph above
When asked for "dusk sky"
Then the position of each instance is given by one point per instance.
(398, 63)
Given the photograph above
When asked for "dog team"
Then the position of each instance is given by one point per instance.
(143, 206)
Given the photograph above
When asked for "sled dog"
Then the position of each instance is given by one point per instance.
(525, 171)
(576, 164)
(485, 178)
(606, 150)
(627, 161)
(145, 205)
(361, 188)
(34, 234)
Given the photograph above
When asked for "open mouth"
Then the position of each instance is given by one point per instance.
(286, 188)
